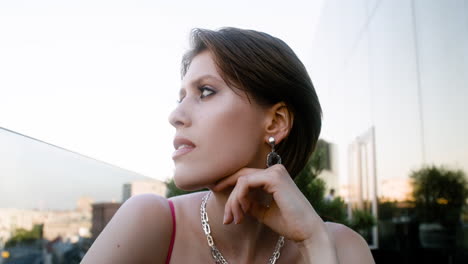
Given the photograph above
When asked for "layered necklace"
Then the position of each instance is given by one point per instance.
(217, 256)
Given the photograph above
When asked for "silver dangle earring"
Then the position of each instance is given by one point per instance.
(273, 157)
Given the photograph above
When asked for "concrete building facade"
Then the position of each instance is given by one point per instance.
(141, 187)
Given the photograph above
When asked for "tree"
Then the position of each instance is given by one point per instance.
(439, 194)
(22, 235)
(362, 220)
(313, 188)
(314, 191)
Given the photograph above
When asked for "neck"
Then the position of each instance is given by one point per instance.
(244, 241)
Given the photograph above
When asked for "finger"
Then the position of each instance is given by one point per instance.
(260, 180)
(232, 179)
(266, 181)
(228, 218)
(242, 193)
(245, 204)
(237, 211)
(235, 206)
(270, 180)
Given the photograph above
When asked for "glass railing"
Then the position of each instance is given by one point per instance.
(54, 202)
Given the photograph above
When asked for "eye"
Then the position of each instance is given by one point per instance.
(206, 91)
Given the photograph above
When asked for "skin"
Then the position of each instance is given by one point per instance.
(231, 144)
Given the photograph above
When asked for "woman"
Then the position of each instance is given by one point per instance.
(247, 121)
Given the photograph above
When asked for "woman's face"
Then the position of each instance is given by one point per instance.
(218, 131)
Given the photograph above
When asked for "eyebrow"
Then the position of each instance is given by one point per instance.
(199, 80)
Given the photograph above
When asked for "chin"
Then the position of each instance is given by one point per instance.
(192, 176)
(187, 183)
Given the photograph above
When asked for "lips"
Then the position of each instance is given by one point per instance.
(179, 141)
(182, 146)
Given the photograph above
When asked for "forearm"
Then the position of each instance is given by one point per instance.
(318, 249)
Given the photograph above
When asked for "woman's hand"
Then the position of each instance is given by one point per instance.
(292, 216)
(289, 214)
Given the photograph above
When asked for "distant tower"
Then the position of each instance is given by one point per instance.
(84, 204)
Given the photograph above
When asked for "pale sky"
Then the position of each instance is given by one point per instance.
(101, 77)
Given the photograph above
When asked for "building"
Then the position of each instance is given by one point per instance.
(84, 204)
(141, 187)
(391, 77)
(12, 219)
(102, 214)
(69, 225)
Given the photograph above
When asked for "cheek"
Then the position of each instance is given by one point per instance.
(229, 139)
(233, 135)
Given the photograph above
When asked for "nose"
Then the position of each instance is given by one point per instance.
(178, 117)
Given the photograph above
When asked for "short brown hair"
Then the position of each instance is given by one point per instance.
(268, 70)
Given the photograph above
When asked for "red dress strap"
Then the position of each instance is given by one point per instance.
(171, 246)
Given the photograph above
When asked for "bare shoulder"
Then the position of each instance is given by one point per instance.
(139, 232)
(187, 207)
(350, 246)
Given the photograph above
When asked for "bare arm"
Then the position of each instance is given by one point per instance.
(139, 232)
(351, 247)
(339, 244)
(319, 248)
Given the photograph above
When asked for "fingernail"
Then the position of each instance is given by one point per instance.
(224, 219)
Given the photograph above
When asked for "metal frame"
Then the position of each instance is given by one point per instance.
(363, 177)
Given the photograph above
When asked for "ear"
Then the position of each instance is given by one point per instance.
(279, 121)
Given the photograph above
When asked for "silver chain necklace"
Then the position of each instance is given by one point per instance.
(218, 257)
